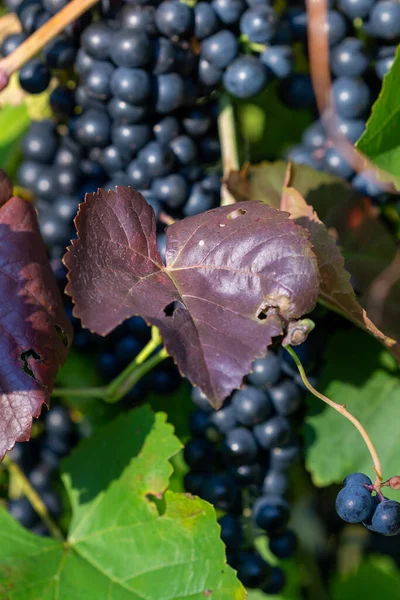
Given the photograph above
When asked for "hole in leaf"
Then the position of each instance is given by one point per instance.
(62, 335)
(261, 316)
(239, 212)
(24, 357)
(172, 307)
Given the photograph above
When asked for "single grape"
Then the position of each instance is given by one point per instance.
(278, 60)
(158, 160)
(356, 9)
(384, 60)
(174, 18)
(271, 513)
(245, 77)
(252, 569)
(314, 136)
(357, 479)
(205, 20)
(169, 92)
(166, 130)
(23, 512)
(96, 40)
(34, 76)
(273, 432)
(336, 164)
(97, 81)
(265, 371)
(184, 149)
(251, 405)
(93, 128)
(130, 139)
(200, 400)
(199, 201)
(354, 503)
(283, 545)
(209, 74)
(198, 453)
(351, 97)
(384, 20)
(259, 24)
(348, 59)
(276, 582)
(223, 419)
(130, 48)
(221, 491)
(275, 483)
(173, 190)
(220, 49)
(240, 445)
(231, 531)
(131, 85)
(286, 397)
(60, 53)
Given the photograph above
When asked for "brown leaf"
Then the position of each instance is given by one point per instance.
(235, 277)
(35, 334)
(336, 290)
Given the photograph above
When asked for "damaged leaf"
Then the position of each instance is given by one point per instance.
(35, 334)
(336, 290)
(235, 276)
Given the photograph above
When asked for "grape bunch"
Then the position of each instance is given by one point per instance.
(239, 458)
(358, 65)
(356, 504)
(40, 460)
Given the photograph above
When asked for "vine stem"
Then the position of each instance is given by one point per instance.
(228, 141)
(41, 37)
(341, 408)
(140, 366)
(33, 497)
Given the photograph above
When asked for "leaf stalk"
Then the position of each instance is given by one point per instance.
(34, 498)
(341, 408)
(228, 141)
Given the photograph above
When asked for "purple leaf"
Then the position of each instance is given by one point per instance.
(35, 334)
(235, 277)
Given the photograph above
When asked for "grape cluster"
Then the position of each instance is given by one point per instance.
(356, 504)
(40, 460)
(358, 65)
(239, 458)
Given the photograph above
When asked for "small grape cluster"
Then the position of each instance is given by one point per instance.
(239, 458)
(40, 460)
(356, 504)
(358, 65)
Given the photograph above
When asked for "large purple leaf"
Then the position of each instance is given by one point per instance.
(235, 277)
(35, 334)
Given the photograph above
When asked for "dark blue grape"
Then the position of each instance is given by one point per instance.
(367, 184)
(107, 365)
(164, 56)
(62, 102)
(67, 179)
(131, 85)
(314, 136)
(221, 491)
(386, 518)
(229, 11)
(98, 80)
(86, 102)
(209, 74)
(240, 445)
(271, 513)
(60, 53)
(297, 19)
(357, 479)
(198, 453)
(231, 531)
(384, 20)
(66, 207)
(11, 43)
(139, 18)
(259, 24)
(384, 60)
(251, 406)
(96, 40)
(351, 97)
(174, 18)
(356, 9)
(354, 504)
(276, 582)
(245, 77)
(265, 371)
(336, 164)
(126, 113)
(275, 483)
(302, 156)
(336, 27)
(28, 173)
(34, 76)
(46, 184)
(169, 92)
(223, 419)
(158, 160)
(113, 160)
(22, 511)
(247, 475)
(273, 432)
(212, 183)
(173, 190)
(53, 503)
(200, 400)
(55, 231)
(220, 49)
(129, 139)
(286, 397)
(166, 130)
(130, 48)
(205, 20)
(348, 59)
(197, 123)
(39, 144)
(252, 570)
(199, 201)
(351, 128)
(40, 476)
(184, 149)
(127, 349)
(278, 60)
(29, 15)
(83, 62)
(93, 128)
(138, 175)
(283, 545)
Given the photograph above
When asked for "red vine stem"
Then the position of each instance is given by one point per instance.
(318, 49)
(341, 408)
(41, 37)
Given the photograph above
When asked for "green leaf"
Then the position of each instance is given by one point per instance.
(381, 138)
(119, 545)
(360, 374)
(377, 577)
(14, 121)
